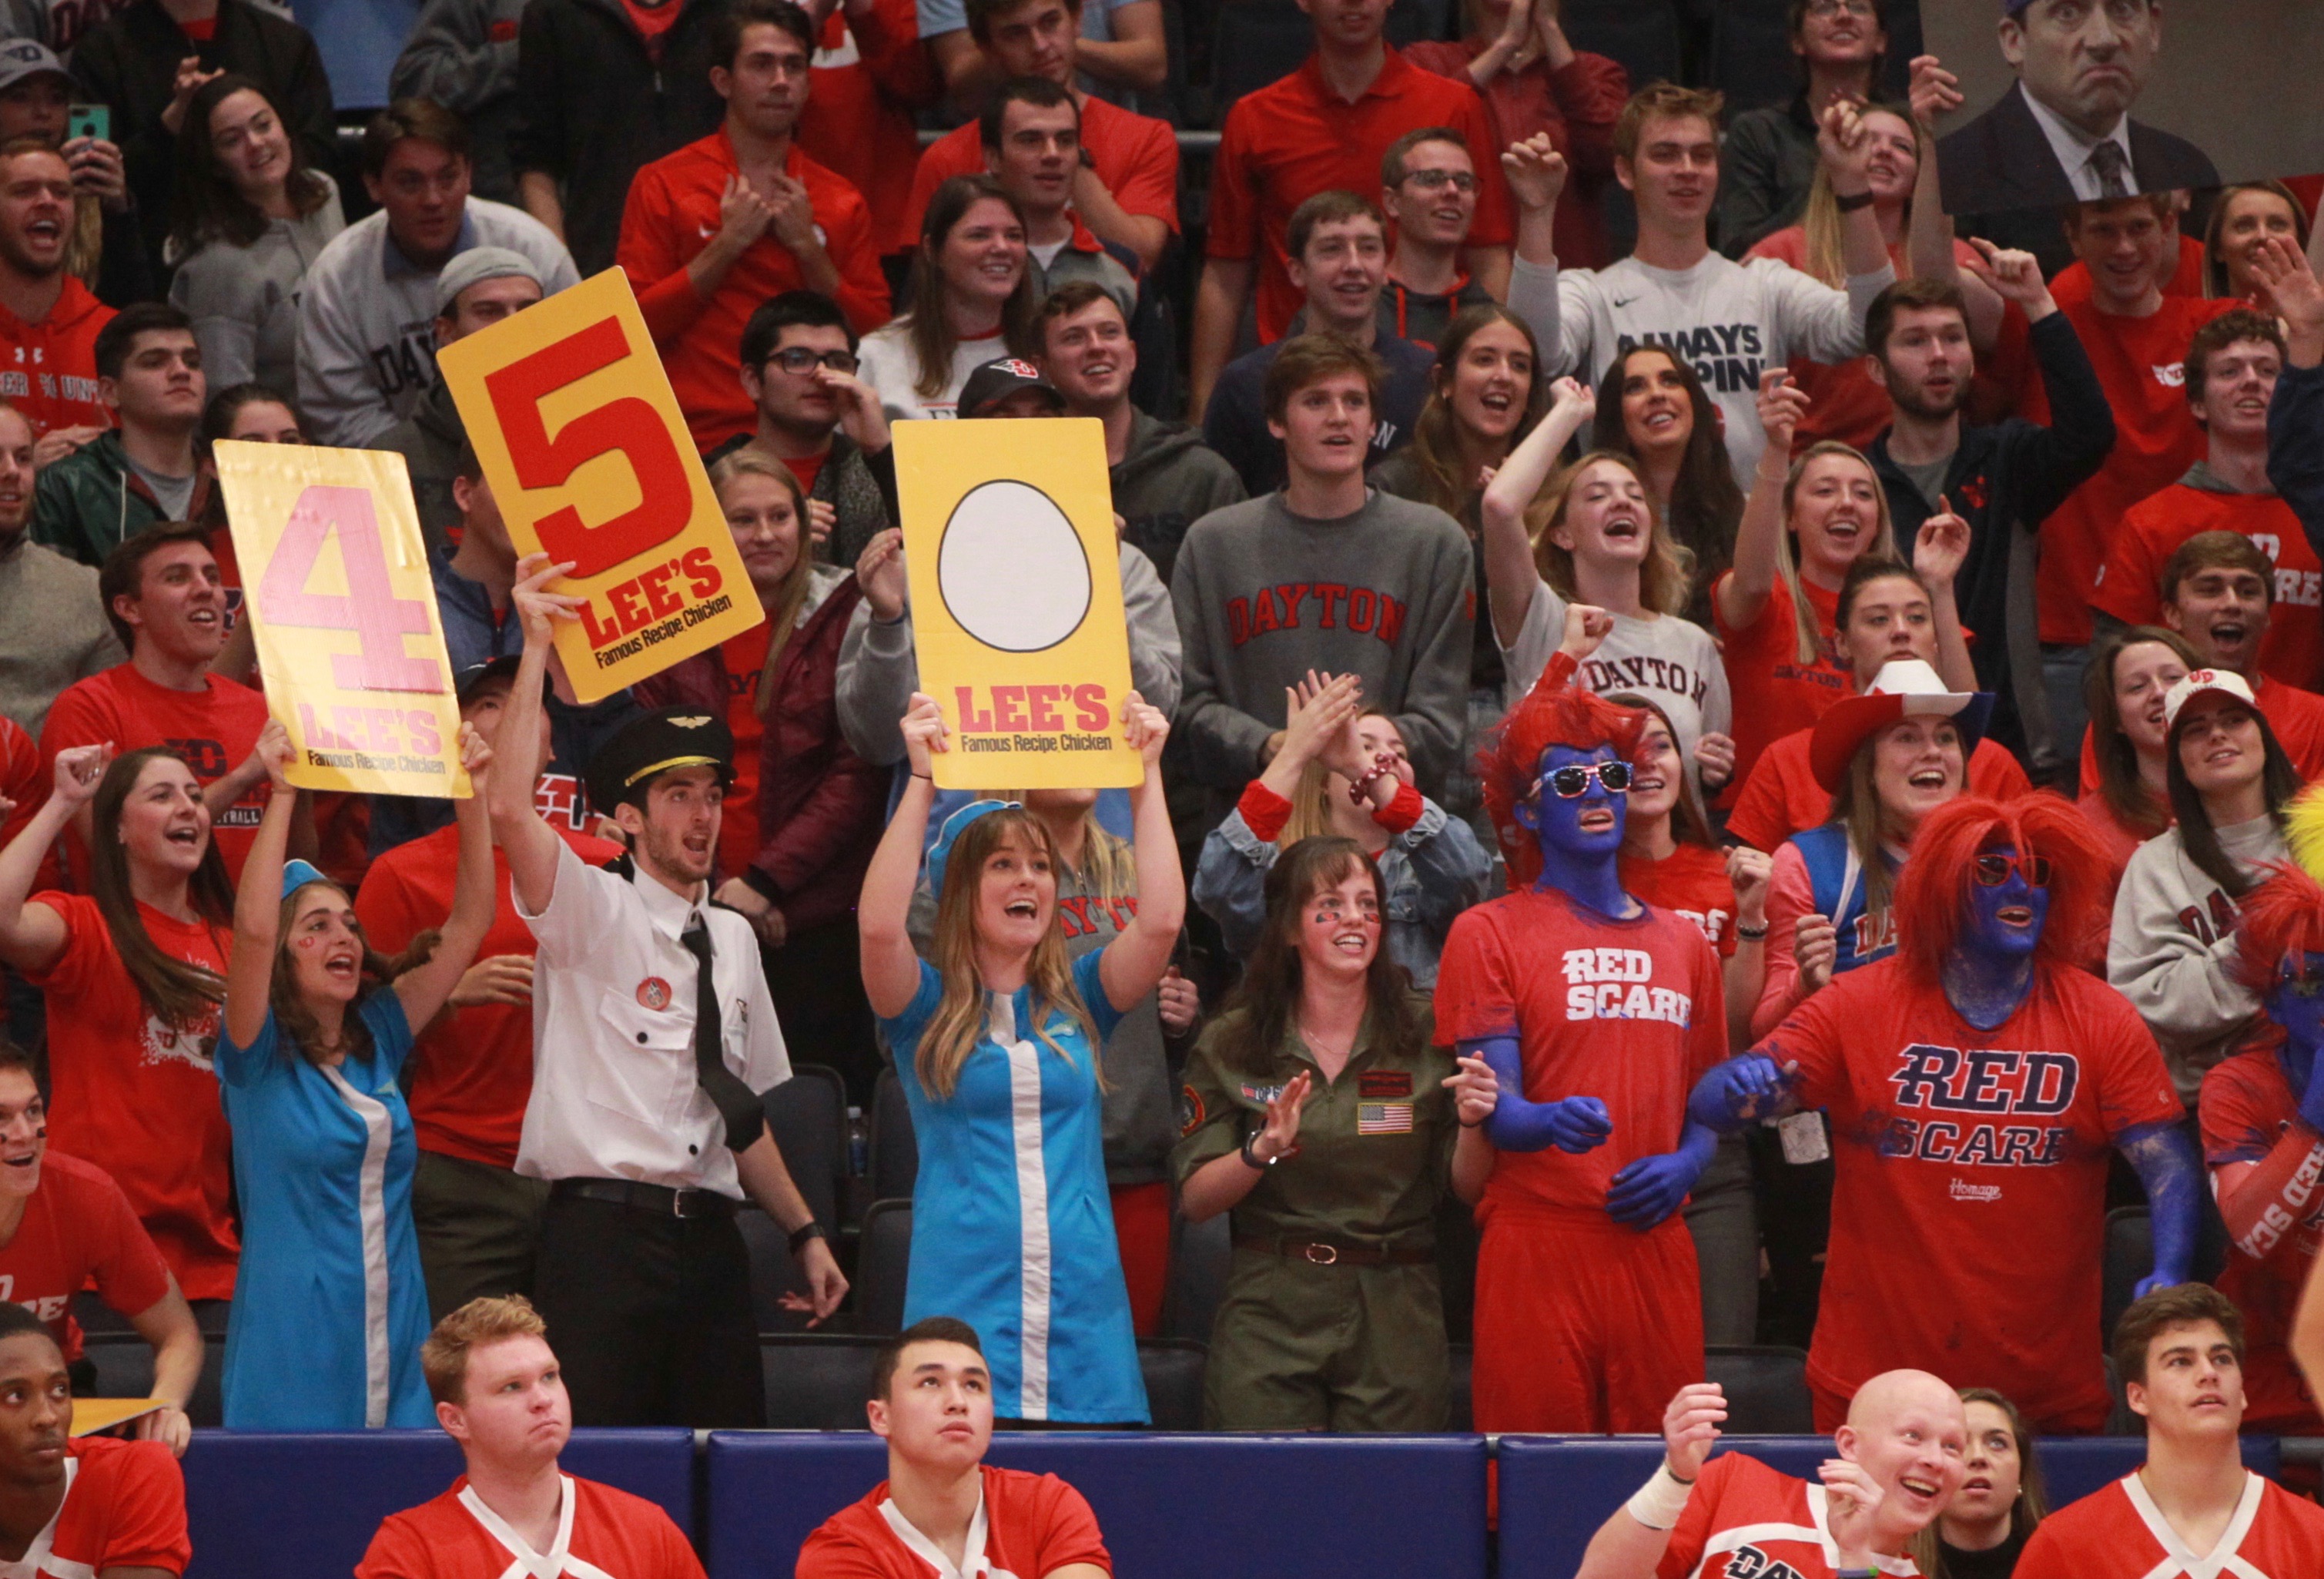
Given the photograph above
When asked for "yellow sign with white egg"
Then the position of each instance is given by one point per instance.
(1016, 600)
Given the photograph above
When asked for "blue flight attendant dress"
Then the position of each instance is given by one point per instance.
(1012, 1226)
(329, 1308)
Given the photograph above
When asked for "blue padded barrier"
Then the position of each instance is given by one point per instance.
(1555, 1492)
(267, 1505)
(1352, 1507)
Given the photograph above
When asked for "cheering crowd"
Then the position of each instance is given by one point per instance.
(1740, 741)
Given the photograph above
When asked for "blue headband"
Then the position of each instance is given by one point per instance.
(954, 826)
(298, 874)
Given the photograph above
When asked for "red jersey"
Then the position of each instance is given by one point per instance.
(744, 658)
(78, 1230)
(471, 1074)
(2119, 1533)
(868, 77)
(213, 729)
(1744, 1520)
(2297, 717)
(1782, 796)
(1294, 138)
(48, 370)
(1775, 692)
(137, 1097)
(1691, 883)
(1964, 1157)
(1631, 1013)
(672, 214)
(1136, 156)
(2246, 1107)
(599, 1531)
(2130, 582)
(125, 1507)
(2142, 364)
(21, 783)
(1027, 1524)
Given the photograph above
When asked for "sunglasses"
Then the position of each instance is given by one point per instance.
(1571, 782)
(1993, 871)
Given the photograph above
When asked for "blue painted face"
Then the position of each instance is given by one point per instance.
(2004, 916)
(1583, 828)
(2297, 1004)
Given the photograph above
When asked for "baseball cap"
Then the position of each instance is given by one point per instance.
(997, 380)
(2206, 682)
(23, 58)
(476, 266)
(1905, 689)
(473, 678)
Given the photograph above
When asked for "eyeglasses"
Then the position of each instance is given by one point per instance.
(1428, 180)
(1573, 781)
(798, 359)
(1991, 871)
(1825, 10)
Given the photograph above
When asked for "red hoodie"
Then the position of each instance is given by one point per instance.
(48, 370)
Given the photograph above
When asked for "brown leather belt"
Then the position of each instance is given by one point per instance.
(1321, 1254)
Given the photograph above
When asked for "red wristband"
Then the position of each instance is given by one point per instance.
(1401, 813)
(1264, 811)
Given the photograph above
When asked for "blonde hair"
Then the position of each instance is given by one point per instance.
(444, 1357)
(1107, 865)
(1809, 634)
(1311, 801)
(1664, 579)
(790, 597)
(954, 1028)
(1822, 225)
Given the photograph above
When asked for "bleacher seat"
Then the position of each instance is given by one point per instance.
(1352, 1507)
(1199, 1255)
(1173, 1370)
(1766, 1387)
(1461, 1411)
(816, 1382)
(264, 1505)
(895, 1159)
(123, 1365)
(1751, 58)
(883, 1263)
(1258, 42)
(1644, 35)
(807, 1116)
(2129, 1256)
(95, 1316)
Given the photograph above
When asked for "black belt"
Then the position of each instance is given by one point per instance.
(1323, 1253)
(658, 1199)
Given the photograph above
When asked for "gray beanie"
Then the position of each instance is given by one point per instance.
(476, 266)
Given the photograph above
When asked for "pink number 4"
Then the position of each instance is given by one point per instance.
(379, 619)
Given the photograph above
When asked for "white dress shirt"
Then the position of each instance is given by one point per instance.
(615, 1094)
(2072, 146)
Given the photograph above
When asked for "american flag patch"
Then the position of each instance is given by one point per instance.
(1384, 1118)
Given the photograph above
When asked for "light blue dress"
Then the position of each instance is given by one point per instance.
(1012, 1226)
(329, 1309)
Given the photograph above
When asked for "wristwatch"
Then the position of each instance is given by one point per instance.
(810, 1229)
(1252, 1158)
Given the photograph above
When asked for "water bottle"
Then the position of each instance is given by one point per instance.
(859, 1143)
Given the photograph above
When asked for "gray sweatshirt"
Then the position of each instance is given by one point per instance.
(1264, 596)
(245, 300)
(455, 57)
(2173, 942)
(53, 629)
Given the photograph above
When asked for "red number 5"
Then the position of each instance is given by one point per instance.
(627, 425)
(379, 620)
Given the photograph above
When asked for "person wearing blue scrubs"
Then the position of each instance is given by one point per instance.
(997, 1046)
(329, 1306)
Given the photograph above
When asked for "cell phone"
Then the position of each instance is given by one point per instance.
(88, 120)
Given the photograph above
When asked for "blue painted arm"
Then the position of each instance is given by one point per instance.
(1737, 1093)
(1651, 1188)
(1575, 1123)
(2164, 1156)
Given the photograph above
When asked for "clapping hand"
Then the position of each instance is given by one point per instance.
(1279, 1135)
(880, 573)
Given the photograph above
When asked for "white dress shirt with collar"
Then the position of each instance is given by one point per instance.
(2072, 146)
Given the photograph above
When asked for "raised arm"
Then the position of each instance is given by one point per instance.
(32, 938)
(530, 844)
(2295, 416)
(1937, 554)
(424, 989)
(1631, 1544)
(1743, 591)
(892, 968)
(258, 900)
(1845, 148)
(1135, 960)
(1929, 232)
(1509, 572)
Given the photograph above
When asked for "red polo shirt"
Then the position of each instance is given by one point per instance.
(1136, 156)
(1295, 138)
(671, 216)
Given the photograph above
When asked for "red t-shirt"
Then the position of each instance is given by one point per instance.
(456, 1536)
(214, 729)
(652, 20)
(2118, 1533)
(1034, 1524)
(1744, 1520)
(2297, 716)
(139, 1098)
(1136, 156)
(20, 782)
(48, 370)
(744, 658)
(2071, 288)
(1782, 796)
(806, 468)
(672, 214)
(2142, 364)
(471, 1074)
(1692, 882)
(1646, 1005)
(125, 1507)
(2247, 1106)
(1775, 692)
(869, 75)
(2130, 582)
(2120, 842)
(1963, 1158)
(1296, 137)
(77, 1232)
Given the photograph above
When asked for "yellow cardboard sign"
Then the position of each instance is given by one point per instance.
(335, 580)
(1016, 591)
(590, 462)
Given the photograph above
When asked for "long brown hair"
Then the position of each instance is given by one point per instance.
(2135, 807)
(959, 1020)
(927, 326)
(1687, 824)
(790, 597)
(181, 995)
(1705, 503)
(1856, 807)
(2279, 782)
(1435, 435)
(206, 205)
(1663, 581)
(295, 1024)
(1108, 865)
(2025, 1514)
(1822, 225)
(1808, 636)
(1261, 1008)
(2215, 258)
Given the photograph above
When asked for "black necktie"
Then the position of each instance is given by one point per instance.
(2112, 165)
(745, 1114)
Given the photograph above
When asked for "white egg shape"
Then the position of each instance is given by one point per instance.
(1012, 568)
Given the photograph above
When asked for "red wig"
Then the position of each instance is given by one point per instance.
(1933, 894)
(2281, 919)
(1551, 714)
